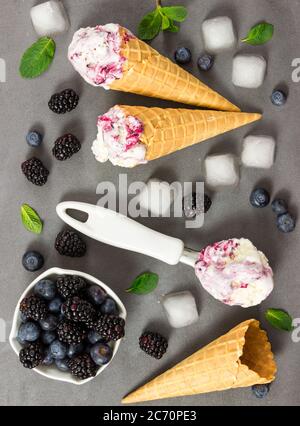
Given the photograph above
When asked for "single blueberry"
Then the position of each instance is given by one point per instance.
(109, 307)
(286, 223)
(23, 317)
(62, 364)
(94, 337)
(34, 139)
(58, 349)
(279, 206)
(32, 261)
(261, 391)
(48, 337)
(278, 98)
(45, 289)
(29, 332)
(55, 305)
(259, 198)
(74, 350)
(96, 294)
(183, 55)
(48, 358)
(49, 323)
(101, 353)
(205, 62)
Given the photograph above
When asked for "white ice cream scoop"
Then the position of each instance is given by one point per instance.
(233, 271)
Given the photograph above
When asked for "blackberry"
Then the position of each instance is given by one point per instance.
(70, 332)
(83, 367)
(194, 204)
(68, 243)
(110, 327)
(31, 356)
(78, 310)
(70, 285)
(33, 308)
(63, 102)
(35, 171)
(154, 344)
(65, 147)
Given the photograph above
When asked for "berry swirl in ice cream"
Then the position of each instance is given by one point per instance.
(118, 139)
(235, 272)
(96, 53)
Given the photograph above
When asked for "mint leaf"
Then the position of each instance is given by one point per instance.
(279, 319)
(150, 25)
(37, 58)
(144, 283)
(176, 13)
(173, 28)
(259, 34)
(31, 219)
(165, 24)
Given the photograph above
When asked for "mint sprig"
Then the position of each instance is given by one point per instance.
(37, 58)
(161, 19)
(259, 34)
(144, 283)
(31, 220)
(279, 319)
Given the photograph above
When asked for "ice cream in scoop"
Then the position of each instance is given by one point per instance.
(235, 272)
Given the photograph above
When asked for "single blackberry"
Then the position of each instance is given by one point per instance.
(194, 204)
(83, 367)
(35, 171)
(70, 285)
(33, 308)
(78, 310)
(154, 344)
(63, 102)
(31, 355)
(65, 147)
(70, 332)
(68, 243)
(110, 327)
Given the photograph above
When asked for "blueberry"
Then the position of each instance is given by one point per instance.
(32, 261)
(48, 337)
(29, 332)
(23, 317)
(94, 337)
(286, 223)
(55, 305)
(49, 323)
(58, 349)
(96, 294)
(62, 364)
(74, 350)
(260, 391)
(109, 307)
(48, 358)
(183, 55)
(205, 62)
(45, 289)
(101, 353)
(278, 98)
(34, 139)
(279, 206)
(259, 198)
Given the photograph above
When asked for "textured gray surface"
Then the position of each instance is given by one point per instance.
(24, 105)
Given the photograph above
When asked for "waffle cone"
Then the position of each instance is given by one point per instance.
(240, 358)
(148, 73)
(167, 130)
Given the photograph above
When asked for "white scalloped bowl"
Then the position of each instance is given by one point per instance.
(52, 372)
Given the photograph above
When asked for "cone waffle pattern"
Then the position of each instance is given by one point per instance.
(146, 72)
(242, 357)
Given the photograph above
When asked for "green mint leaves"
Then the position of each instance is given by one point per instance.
(144, 283)
(162, 18)
(279, 319)
(31, 220)
(259, 34)
(37, 58)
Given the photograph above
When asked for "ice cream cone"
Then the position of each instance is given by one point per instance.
(147, 72)
(240, 358)
(168, 130)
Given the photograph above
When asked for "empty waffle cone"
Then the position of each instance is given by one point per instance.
(167, 130)
(147, 72)
(240, 358)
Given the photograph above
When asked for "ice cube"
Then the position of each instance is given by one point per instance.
(218, 34)
(180, 308)
(221, 170)
(157, 197)
(248, 71)
(258, 151)
(49, 18)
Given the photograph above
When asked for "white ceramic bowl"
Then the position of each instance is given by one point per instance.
(52, 372)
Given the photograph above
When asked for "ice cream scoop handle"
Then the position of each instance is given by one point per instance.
(120, 231)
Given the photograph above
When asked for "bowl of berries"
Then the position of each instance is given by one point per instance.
(67, 326)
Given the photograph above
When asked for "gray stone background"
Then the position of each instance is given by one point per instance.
(24, 106)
